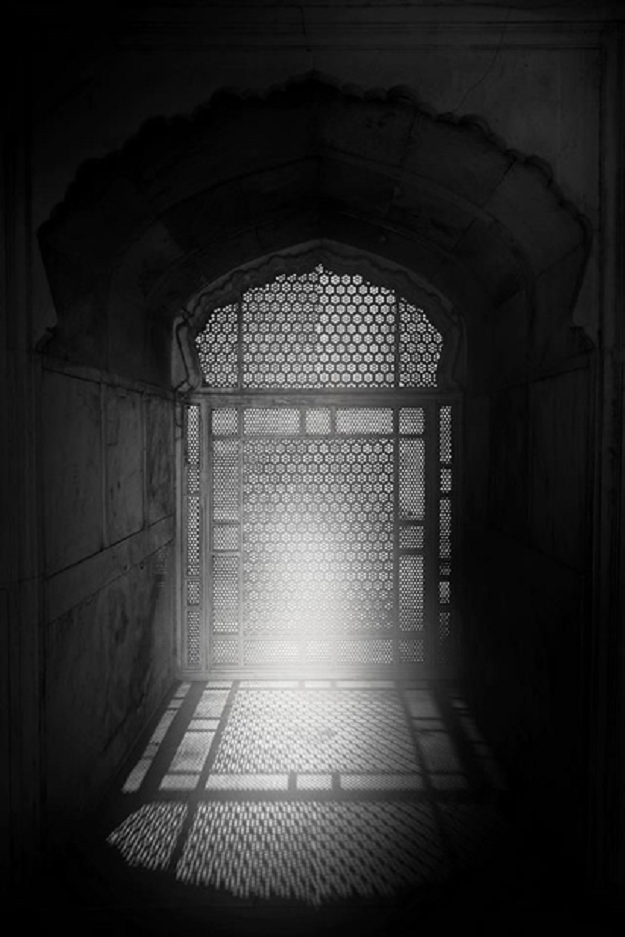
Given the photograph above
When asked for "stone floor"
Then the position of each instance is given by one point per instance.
(304, 808)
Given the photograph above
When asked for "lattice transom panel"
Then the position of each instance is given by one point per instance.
(320, 329)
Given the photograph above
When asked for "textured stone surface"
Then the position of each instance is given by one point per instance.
(160, 460)
(553, 338)
(475, 454)
(508, 464)
(124, 464)
(241, 163)
(72, 469)
(560, 467)
(509, 328)
(108, 664)
(433, 153)
(108, 453)
(77, 583)
(527, 206)
(486, 247)
(525, 671)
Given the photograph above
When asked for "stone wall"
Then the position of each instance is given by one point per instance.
(526, 550)
(108, 475)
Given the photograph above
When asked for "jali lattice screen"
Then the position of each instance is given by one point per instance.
(318, 482)
(319, 330)
(328, 539)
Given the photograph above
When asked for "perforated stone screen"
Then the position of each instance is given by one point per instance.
(319, 483)
(320, 329)
(325, 530)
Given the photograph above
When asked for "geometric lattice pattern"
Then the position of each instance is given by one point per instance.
(411, 537)
(147, 837)
(193, 544)
(318, 730)
(193, 435)
(411, 590)
(319, 329)
(225, 469)
(318, 533)
(412, 651)
(411, 420)
(318, 536)
(225, 580)
(193, 638)
(445, 448)
(310, 792)
(217, 347)
(445, 440)
(365, 652)
(225, 650)
(364, 420)
(412, 478)
(270, 421)
(193, 535)
(420, 347)
(331, 850)
(225, 421)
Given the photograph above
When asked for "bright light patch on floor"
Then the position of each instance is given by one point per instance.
(137, 775)
(247, 782)
(317, 730)
(309, 792)
(148, 836)
(314, 782)
(311, 852)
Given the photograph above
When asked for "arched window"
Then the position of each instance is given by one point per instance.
(318, 479)
(319, 330)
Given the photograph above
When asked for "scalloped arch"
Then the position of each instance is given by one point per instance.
(302, 258)
(188, 199)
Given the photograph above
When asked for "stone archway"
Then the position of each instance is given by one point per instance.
(318, 493)
(190, 199)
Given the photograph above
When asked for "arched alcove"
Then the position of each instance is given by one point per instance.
(321, 385)
(189, 199)
(197, 310)
(251, 176)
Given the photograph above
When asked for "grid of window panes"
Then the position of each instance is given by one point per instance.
(318, 535)
(328, 537)
(320, 329)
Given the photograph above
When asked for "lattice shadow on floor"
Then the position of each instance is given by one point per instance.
(318, 792)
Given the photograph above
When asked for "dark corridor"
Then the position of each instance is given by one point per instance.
(460, 438)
